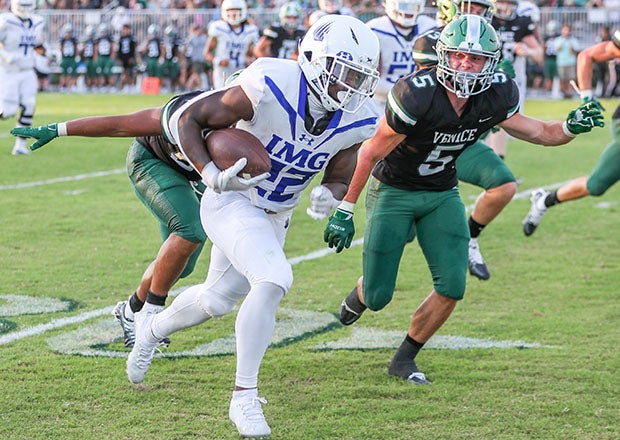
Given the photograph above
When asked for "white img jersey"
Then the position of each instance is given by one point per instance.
(18, 38)
(278, 92)
(232, 44)
(396, 57)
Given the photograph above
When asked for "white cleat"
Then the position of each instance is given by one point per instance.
(139, 360)
(246, 413)
(537, 210)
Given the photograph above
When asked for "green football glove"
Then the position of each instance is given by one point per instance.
(583, 119)
(43, 134)
(339, 230)
(594, 102)
(506, 66)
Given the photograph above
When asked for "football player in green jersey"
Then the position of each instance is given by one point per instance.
(478, 165)
(431, 117)
(607, 170)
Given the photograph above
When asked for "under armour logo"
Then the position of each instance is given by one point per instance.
(306, 139)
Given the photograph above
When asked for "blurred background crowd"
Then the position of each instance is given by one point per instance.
(77, 29)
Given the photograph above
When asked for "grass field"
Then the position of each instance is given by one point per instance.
(530, 354)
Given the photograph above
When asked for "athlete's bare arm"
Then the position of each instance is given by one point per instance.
(141, 123)
(371, 152)
(218, 110)
(534, 130)
(339, 171)
(263, 47)
(604, 51)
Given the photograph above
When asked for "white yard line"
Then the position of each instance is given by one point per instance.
(57, 323)
(62, 179)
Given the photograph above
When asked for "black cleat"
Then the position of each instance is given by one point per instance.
(407, 370)
(351, 308)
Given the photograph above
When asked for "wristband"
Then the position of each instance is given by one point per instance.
(61, 127)
(566, 131)
(210, 173)
(346, 206)
(585, 94)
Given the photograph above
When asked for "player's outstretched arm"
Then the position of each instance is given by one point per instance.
(550, 133)
(141, 123)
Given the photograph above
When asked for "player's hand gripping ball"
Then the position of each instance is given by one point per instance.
(239, 160)
(227, 145)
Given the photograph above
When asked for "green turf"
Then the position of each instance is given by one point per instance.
(84, 243)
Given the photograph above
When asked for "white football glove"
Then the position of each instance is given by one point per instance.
(322, 202)
(227, 180)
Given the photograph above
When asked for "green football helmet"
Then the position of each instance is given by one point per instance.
(464, 7)
(473, 35)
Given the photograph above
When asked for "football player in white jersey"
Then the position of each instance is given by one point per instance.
(397, 30)
(311, 114)
(326, 7)
(231, 41)
(20, 33)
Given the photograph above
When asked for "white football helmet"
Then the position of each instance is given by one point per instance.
(469, 34)
(23, 8)
(404, 12)
(342, 51)
(290, 15)
(234, 12)
(330, 6)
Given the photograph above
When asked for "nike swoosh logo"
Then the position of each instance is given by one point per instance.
(485, 119)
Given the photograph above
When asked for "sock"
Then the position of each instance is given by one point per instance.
(552, 199)
(403, 363)
(353, 301)
(475, 228)
(154, 303)
(135, 305)
(252, 392)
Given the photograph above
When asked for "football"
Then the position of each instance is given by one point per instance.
(227, 145)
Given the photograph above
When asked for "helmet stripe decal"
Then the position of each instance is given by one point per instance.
(473, 30)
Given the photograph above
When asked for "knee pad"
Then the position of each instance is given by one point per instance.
(216, 304)
(191, 232)
(377, 299)
(453, 287)
(596, 188)
(280, 275)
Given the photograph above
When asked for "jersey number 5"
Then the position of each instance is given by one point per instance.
(438, 159)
